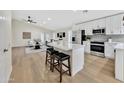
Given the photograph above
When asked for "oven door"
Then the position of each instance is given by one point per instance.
(97, 48)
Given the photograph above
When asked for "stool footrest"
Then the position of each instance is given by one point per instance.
(65, 65)
(58, 69)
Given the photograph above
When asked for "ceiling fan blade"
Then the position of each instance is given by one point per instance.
(29, 20)
(29, 17)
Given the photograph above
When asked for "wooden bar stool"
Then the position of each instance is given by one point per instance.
(60, 57)
(49, 56)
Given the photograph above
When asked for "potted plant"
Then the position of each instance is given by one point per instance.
(88, 38)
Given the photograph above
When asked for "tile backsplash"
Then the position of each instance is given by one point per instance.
(115, 38)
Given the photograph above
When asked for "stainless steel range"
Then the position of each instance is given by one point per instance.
(97, 48)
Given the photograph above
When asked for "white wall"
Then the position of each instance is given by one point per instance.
(19, 27)
(48, 36)
(5, 43)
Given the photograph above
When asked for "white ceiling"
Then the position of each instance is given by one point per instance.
(60, 19)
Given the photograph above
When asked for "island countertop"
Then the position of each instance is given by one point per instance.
(120, 46)
(76, 52)
(65, 46)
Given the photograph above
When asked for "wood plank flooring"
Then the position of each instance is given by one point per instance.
(30, 68)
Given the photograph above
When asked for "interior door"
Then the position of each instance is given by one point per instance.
(5, 45)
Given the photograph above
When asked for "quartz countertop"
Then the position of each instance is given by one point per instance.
(113, 42)
(119, 46)
(66, 46)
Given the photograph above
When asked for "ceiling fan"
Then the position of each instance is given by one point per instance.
(85, 11)
(29, 20)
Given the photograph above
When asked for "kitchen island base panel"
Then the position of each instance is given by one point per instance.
(76, 58)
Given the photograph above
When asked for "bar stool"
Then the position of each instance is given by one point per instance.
(49, 56)
(60, 57)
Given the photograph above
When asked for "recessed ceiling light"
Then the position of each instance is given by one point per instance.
(49, 19)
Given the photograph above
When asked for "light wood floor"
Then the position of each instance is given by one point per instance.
(30, 68)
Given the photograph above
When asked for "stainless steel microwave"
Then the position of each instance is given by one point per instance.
(99, 31)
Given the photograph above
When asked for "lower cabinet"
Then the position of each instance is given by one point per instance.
(109, 50)
(119, 64)
(87, 46)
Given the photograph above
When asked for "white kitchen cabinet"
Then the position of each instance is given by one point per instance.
(77, 35)
(114, 25)
(119, 62)
(108, 26)
(88, 28)
(109, 49)
(87, 46)
(122, 23)
(119, 65)
(100, 23)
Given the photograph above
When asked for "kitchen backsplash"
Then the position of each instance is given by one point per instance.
(115, 38)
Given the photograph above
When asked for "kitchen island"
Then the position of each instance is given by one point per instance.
(119, 62)
(76, 52)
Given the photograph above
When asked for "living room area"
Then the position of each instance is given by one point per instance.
(28, 50)
(29, 45)
(28, 35)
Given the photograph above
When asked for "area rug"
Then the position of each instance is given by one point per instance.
(29, 50)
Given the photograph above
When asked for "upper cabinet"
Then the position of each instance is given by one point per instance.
(100, 23)
(114, 25)
(108, 26)
(88, 28)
